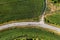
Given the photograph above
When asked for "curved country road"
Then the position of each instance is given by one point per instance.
(41, 24)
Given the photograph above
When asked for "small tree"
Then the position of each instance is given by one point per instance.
(55, 1)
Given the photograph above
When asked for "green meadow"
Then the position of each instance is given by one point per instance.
(28, 33)
(14, 10)
(54, 18)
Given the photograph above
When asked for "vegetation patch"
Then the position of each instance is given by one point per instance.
(56, 1)
(54, 18)
(12, 10)
(27, 34)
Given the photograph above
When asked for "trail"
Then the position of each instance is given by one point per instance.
(41, 23)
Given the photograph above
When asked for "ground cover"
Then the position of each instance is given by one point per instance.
(53, 18)
(12, 10)
(27, 34)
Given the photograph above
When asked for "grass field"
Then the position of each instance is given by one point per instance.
(12, 10)
(54, 18)
(17, 33)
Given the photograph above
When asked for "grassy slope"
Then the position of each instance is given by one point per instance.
(31, 32)
(53, 19)
(11, 10)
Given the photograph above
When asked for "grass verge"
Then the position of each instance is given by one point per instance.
(13, 33)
